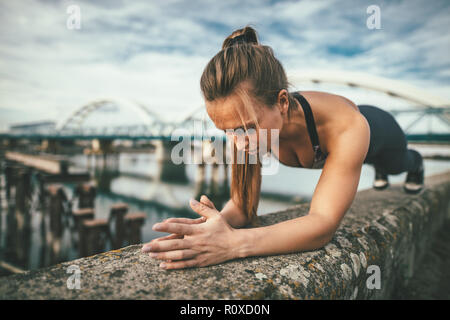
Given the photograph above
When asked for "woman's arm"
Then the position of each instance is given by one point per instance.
(309, 232)
(333, 196)
(216, 241)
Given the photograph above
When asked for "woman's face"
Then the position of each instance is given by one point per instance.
(224, 113)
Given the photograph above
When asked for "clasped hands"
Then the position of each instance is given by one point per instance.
(198, 242)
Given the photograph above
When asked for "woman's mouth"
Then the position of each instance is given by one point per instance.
(252, 151)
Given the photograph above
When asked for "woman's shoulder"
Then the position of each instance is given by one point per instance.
(328, 106)
(332, 113)
(327, 99)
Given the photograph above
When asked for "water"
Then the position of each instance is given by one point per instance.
(135, 184)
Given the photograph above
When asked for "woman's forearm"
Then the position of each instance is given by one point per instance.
(233, 215)
(309, 232)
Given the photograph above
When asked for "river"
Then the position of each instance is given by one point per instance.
(135, 184)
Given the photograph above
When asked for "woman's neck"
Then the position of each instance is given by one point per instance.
(294, 128)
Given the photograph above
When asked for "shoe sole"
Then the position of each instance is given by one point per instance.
(412, 191)
(381, 187)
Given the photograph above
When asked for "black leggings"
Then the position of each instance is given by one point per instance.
(388, 150)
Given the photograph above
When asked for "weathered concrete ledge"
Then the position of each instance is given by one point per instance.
(389, 229)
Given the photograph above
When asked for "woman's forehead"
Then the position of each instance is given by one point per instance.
(225, 112)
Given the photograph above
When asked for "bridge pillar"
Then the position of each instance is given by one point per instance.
(169, 171)
(201, 186)
(105, 155)
(9, 144)
(217, 190)
(50, 146)
(3, 146)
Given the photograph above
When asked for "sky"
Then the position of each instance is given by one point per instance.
(154, 52)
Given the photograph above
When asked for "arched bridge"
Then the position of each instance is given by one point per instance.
(198, 125)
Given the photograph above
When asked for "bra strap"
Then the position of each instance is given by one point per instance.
(310, 124)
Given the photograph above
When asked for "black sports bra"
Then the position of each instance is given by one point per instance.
(319, 156)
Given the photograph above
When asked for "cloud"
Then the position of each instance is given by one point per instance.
(155, 51)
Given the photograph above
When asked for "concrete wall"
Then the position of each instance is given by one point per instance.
(387, 229)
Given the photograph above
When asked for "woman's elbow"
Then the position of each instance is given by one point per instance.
(323, 240)
(328, 239)
(325, 230)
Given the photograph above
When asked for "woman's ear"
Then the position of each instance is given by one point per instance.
(283, 101)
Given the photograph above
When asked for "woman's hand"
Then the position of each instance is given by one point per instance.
(203, 199)
(194, 244)
(177, 220)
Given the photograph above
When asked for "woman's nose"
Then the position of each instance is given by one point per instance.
(246, 143)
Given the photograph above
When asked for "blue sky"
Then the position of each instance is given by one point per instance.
(155, 51)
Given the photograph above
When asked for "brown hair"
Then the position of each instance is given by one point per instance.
(243, 60)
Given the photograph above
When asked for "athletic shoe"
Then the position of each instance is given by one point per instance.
(414, 181)
(381, 180)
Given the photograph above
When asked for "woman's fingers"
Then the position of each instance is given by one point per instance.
(186, 220)
(178, 228)
(204, 199)
(168, 245)
(174, 255)
(203, 210)
(178, 221)
(180, 264)
(206, 204)
(169, 237)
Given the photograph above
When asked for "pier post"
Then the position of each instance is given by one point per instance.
(22, 214)
(134, 222)
(10, 177)
(95, 234)
(79, 216)
(57, 198)
(117, 217)
(85, 193)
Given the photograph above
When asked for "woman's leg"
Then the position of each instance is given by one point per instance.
(388, 150)
(396, 161)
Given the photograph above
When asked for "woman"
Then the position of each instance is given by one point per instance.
(245, 86)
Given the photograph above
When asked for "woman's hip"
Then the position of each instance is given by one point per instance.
(385, 132)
